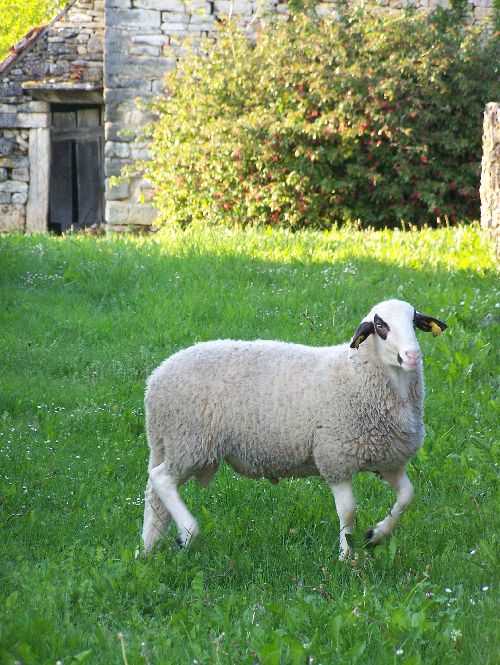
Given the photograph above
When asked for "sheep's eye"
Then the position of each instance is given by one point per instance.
(379, 325)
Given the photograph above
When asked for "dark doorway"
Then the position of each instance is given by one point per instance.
(76, 167)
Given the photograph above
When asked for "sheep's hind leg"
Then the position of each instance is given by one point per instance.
(166, 486)
(345, 502)
(156, 518)
(404, 495)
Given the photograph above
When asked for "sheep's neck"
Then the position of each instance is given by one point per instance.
(400, 379)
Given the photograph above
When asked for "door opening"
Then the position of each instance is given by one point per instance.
(76, 167)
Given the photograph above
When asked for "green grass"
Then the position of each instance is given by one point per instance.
(83, 323)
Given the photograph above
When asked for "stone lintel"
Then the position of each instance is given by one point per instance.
(24, 120)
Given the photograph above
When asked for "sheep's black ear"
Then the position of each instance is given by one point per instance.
(429, 324)
(365, 329)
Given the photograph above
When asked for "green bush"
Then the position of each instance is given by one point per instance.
(374, 117)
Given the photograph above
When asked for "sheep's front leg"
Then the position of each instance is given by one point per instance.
(345, 502)
(404, 494)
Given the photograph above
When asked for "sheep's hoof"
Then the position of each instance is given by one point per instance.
(180, 542)
(369, 544)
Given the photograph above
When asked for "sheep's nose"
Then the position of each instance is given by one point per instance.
(413, 356)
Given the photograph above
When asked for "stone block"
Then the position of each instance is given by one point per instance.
(14, 161)
(145, 49)
(121, 213)
(20, 198)
(114, 97)
(116, 41)
(118, 4)
(21, 174)
(117, 192)
(14, 187)
(236, 7)
(121, 82)
(8, 120)
(158, 87)
(117, 132)
(5, 197)
(137, 117)
(203, 20)
(112, 166)
(115, 149)
(38, 194)
(22, 142)
(134, 18)
(138, 68)
(177, 28)
(139, 151)
(152, 39)
(80, 18)
(173, 17)
(12, 89)
(12, 217)
(60, 68)
(201, 27)
(34, 107)
(95, 43)
(83, 37)
(200, 7)
(36, 68)
(163, 5)
(6, 146)
(3, 174)
(32, 120)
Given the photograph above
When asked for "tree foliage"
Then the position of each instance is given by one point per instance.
(17, 17)
(373, 116)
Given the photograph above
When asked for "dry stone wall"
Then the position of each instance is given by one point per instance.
(59, 62)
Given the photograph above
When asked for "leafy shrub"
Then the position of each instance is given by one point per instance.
(373, 116)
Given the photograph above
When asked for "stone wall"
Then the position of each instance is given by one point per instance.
(490, 173)
(143, 40)
(60, 62)
(137, 41)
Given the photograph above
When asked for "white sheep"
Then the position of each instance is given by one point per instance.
(277, 410)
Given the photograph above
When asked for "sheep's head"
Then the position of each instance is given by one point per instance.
(392, 324)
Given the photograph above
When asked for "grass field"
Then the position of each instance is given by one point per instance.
(83, 323)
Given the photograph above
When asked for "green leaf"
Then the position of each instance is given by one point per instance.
(82, 656)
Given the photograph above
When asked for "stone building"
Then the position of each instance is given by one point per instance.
(68, 110)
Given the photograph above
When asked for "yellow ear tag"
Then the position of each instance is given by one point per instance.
(358, 341)
(435, 329)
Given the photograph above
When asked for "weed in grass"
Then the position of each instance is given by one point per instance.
(85, 320)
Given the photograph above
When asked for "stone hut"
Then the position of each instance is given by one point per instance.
(68, 110)
(52, 124)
